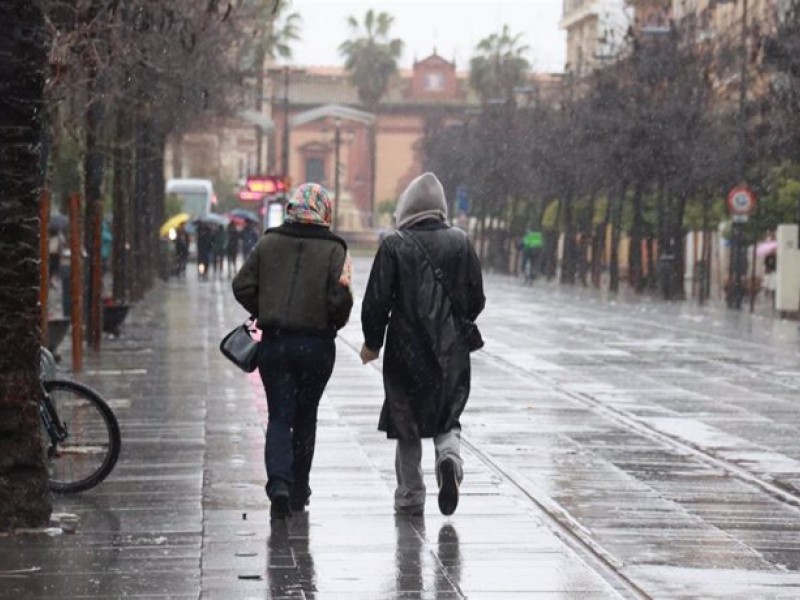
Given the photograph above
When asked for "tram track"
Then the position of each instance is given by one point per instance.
(632, 423)
(560, 522)
(567, 529)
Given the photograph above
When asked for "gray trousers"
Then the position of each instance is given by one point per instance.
(408, 466)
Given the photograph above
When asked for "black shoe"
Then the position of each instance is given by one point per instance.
(298, 504)
(448, 487)
(279, 507)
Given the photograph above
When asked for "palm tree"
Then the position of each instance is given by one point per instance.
(371, 58)
(24, 496)
(499, 65)
(277, 42)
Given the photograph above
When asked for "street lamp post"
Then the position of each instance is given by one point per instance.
(337, 140)
(285, 144)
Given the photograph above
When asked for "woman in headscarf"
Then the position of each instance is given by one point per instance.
(424, 286)
(296, 283)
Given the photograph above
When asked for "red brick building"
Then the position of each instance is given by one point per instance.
(432, 91)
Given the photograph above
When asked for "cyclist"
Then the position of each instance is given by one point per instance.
(531, 247)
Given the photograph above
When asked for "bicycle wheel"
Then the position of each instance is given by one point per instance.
(91, 439)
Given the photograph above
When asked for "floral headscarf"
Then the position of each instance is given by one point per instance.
(310, 205)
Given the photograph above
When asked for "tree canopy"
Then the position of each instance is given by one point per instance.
(371, 55)
(499, 65)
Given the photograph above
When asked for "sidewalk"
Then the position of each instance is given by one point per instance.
(184, 514)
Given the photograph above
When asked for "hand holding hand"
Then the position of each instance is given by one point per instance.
(368, 355)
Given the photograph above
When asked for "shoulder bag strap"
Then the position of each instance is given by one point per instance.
(438, 274)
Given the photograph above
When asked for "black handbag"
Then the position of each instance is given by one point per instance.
(468, 329)
(239, 347)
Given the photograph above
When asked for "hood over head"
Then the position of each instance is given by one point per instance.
(310, 205)
(423, 199)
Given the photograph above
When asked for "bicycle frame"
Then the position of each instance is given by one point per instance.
(55, 428)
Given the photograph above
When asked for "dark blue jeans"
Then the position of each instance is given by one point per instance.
(295, 369)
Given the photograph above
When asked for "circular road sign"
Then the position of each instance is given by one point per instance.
(741, 201)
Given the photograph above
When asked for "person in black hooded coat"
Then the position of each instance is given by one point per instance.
(426, 366)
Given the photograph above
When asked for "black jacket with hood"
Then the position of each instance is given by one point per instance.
(426, 365)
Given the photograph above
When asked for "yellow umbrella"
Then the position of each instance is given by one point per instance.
(173, 223)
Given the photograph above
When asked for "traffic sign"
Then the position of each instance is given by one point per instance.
(741, 201)
(462, 199)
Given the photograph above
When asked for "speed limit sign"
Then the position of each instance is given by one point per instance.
(741, 201)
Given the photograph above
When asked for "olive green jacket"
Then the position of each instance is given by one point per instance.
(290, 281)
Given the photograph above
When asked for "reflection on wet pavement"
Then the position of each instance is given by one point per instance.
(636, 450)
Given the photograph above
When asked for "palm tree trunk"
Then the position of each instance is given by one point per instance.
(24, 496)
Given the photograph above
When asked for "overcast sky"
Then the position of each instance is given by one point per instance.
(453, 27)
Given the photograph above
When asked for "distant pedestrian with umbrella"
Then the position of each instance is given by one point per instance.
(249, 238)
(218, 248)
(181, 250)
(244, 215)
(205, 241)
(55, 247)
(232, 244)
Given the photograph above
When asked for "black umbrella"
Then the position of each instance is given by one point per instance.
(245, 215)
(59, 221)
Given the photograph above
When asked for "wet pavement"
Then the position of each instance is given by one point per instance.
(612, 449)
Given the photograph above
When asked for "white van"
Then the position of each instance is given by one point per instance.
(196, 195)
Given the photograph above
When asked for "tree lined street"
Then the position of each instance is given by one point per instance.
(612, 450)
(620, 439)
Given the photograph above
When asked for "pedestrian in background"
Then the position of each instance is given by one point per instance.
(249, 239)
(205, 241)
(55, 248)
(218, 249)
(232, 248)
(770, 274)
(296, 283)
(426, 366)
(181, 250)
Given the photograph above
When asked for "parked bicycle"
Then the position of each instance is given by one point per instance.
(80, 431)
